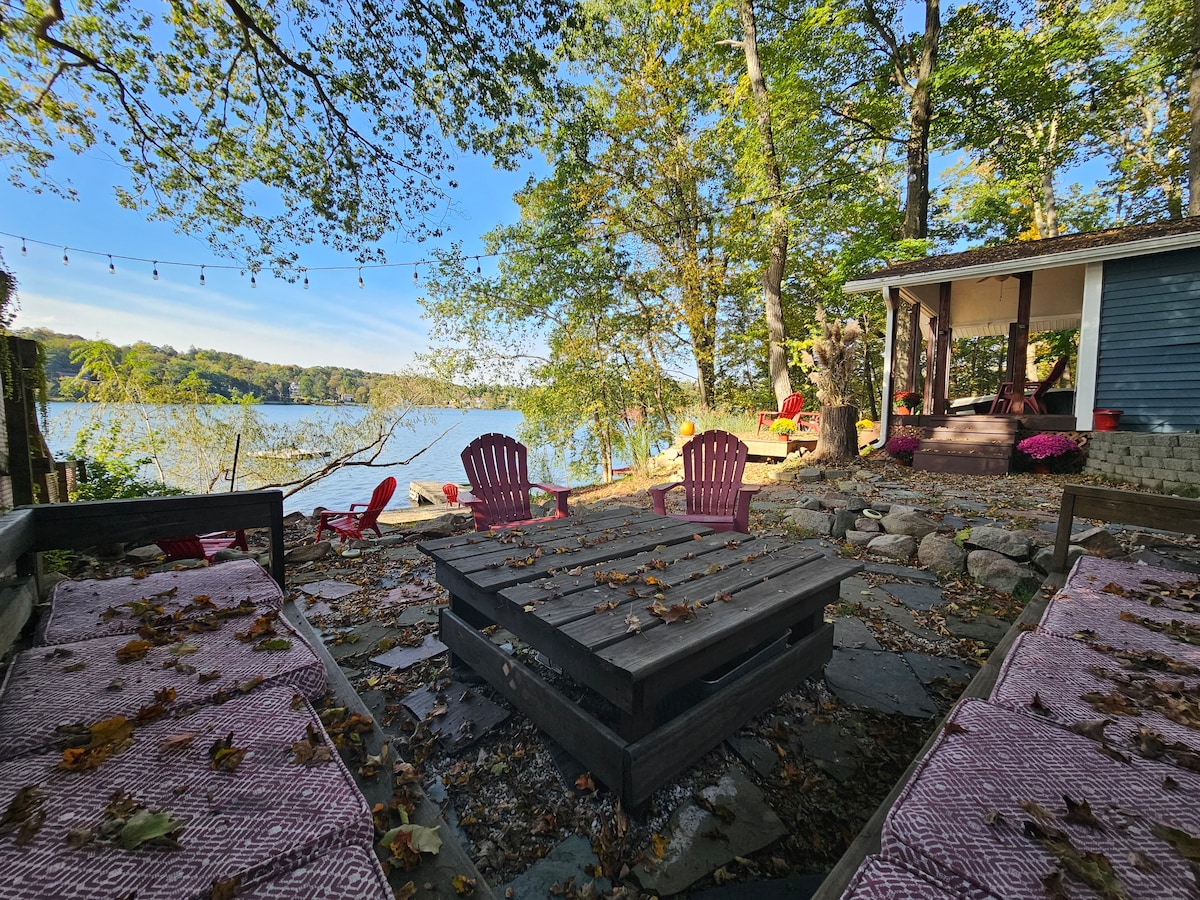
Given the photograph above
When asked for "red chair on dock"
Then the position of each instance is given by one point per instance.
(350, 523)
(713, 463)
(497, 467)
(202, 546)
(790, 409)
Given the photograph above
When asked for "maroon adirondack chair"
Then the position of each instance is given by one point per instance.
(790, 409)
(497, 467)
(1035, 400)
(714, 495)
(201, 546)
(351, 523)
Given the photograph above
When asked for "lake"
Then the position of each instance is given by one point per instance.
(441, 463)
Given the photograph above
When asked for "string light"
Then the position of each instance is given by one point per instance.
(24, 252)
(65, 260)
(360, 280)
(155, 273)
(112, 270)
(478, 267)
(414, 273)
(305, 279)
(253, 283)
(202, 276)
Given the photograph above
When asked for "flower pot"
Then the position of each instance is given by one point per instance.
(1106, 419)
(785, 437)
(1041, 469)
(902, 411)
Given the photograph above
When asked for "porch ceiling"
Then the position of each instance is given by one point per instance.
(986, 306)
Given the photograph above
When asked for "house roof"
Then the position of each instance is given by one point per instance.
(1070, 249)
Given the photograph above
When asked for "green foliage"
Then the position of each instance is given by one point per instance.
(114, 472)
(264, 126)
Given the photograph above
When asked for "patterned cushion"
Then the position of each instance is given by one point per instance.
(1098, 592)
(348, 873)
(260, 821)
(1061, 672)
(77, 610)
(962, 820)
(883, 879)
(84, 681)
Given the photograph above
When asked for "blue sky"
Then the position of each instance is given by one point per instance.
(377, 328)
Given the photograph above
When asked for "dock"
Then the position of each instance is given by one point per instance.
(770, 447)
(422, 493)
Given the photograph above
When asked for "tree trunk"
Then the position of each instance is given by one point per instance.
(772, 279)
(837, 441)
(916, 201)
(1194, 117)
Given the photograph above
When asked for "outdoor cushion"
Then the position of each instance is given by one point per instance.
(91, 608)
(1106, 603)
(1061, 672)
(967, 815)
(347, 873)
(259, 820)
(84, 681)
(883, 879)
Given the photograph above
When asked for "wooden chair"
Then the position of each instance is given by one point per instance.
(450, 491)
(201, 546)
(497, 467)
(713, 462)
(790, 409)
(1035, 400)
(351, 523)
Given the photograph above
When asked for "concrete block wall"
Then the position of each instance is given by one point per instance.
(1165, 463)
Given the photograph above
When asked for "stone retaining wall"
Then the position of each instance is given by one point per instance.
(1169, 463)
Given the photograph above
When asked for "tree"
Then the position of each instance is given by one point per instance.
(832, 370)
(261, 126)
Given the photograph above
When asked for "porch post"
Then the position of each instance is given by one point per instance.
(1089, 346)
(914, 346)
(941, 365)
(1020, 351)
(891, 299)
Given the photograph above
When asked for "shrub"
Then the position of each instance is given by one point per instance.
(902, 447)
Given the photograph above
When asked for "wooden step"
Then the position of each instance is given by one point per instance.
(981, 437)
(960, 465)
(963, 448)
(972, 424)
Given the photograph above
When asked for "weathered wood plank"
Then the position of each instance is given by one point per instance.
(659, 756)
(590, 741)
(447, 547)
(16, 604)
(16, 537)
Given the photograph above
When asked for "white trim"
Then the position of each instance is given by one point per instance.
(1089, 346)
(1086, 255)
(889, 339)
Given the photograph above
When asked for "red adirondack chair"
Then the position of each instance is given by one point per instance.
(450, 490)
(792, 404)
(352, 524)
(713, 462)
(1035, 400)
(202, 546)
(498, 469)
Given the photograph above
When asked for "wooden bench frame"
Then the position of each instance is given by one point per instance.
(29, 530)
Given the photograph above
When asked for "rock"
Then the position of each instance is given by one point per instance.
(809, 475)
(308, 552)
(893, 546)
(876, 679)
(1010, 543)
(811, 520)
(702, 841)
(808, 501)
(908, 573)
(783, 476)
(1099, 542)
(835, 500)
(403, 657)
(921, 597)
(860, 538)
(853, 633)
(329, 589)
(851, 487)
(985, 629)
(998, 572)
(908, 522)
(838, 474)
(865, 524)
(941, 554)
(142, 555)
(755, 752)
(231, 553)
(843, 521)
(827, 744)
(573, 858)
(295, 518)
(1043, 560)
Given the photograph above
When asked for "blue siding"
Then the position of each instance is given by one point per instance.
(1149, 363)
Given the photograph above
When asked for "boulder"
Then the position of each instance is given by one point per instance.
(230, 553)
(941, 554)
(1099, 542)
(142, 555)
(833, 500)
(998, 540)
(810, 474)
(860, 538)
(893, 546)
(783, 476)
(1043, 560)
(865, 524)
(843, 521)
(998, 572)
(811, 520)
(808, 501)
(908, 522)
(308, 552)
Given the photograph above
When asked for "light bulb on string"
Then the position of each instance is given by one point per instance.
(112, 270)
(478, 267)
(253, 282)
(24, 252)
(360, 280)
(415, 279)
(155, 272)
(202, 276)
(65, 260)
(306, 279)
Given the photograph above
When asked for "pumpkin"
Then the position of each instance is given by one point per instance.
(688, 429)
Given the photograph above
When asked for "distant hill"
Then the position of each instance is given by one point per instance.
(231, 376)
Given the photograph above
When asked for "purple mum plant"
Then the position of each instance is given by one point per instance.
(1047, 446)
(902, 447)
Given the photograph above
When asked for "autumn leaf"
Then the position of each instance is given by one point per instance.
(224, 755)
(407, 842)
(103, 740)
(676, 612)
(312, 749)
(145, 826)
(1081, 814)
(607, 605)
(585, 782)
(658, 845)
(226, 889)
(463, 885)
(134, 650)
(176, 742)
(409, 890)
(633, 624)
(1182, 842)
(274, 645)
(25, 814)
